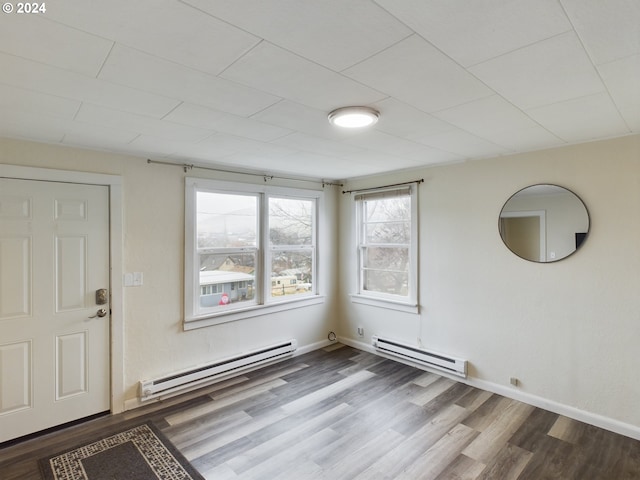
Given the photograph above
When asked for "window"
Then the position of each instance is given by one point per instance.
(387, 245)
(242, 238)
(210, 289)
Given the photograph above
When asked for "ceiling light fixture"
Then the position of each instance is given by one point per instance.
(354, 117)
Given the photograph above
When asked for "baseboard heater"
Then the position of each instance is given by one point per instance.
(438, 361)
(207, 374)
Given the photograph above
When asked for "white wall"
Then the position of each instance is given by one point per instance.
(569, 330)
(154, 342)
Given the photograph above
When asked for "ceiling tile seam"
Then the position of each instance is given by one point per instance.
(272, 124)
(139, 135)
(161, 95)
(436, 48)
(30, 90)
(614, 103)
(85, 76)
(559, 102)
(48, 65)
(595, 67)
(208, 132)
(75, 115)
(221, 73)
(181, 65)
(91, 34)
(306, 59)
(421, 144)
(414, 33)
(596, 64)
(621, 117)
(106, 58)
(275, 140)
(232, 115)
(515, 50)
(362, 60)
(521, 110)
(258, 40)
(453, 127)
(267, 108)
(235, 82)
(626, 57)
(508, 149)
(231, 135)
(271, 42)
(465, 68)
(522, 47)
(164, 117)
(226, 22)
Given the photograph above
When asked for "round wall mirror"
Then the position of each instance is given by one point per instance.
(544, 223)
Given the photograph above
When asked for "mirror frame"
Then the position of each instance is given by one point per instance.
(542, 214)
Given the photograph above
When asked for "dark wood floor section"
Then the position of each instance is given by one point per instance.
(339, 413)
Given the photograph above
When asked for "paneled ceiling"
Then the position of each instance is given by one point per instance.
(248, 84)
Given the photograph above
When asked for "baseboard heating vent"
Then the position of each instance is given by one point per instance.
(207, 374)
(438, 361)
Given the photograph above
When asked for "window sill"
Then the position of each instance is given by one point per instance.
(383, 303)
(249, 312)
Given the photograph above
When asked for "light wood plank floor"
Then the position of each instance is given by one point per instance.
(339, 413)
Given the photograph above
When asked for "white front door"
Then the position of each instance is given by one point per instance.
(54, 256)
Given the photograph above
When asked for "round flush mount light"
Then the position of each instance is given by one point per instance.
(354, 117)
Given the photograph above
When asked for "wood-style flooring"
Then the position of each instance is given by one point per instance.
(339, 413)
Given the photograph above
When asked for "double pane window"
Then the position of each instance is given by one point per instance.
(248, 247)
(291, 245)
(227, 248)
(387, 244)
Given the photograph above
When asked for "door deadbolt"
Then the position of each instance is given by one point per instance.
(101, 296)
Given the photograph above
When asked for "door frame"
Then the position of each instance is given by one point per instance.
(542, 218)
(116, 256)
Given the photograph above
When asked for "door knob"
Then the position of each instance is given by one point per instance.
(100, 313)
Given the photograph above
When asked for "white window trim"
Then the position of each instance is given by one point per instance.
(265, 304)
(407, 304)
(385, 303)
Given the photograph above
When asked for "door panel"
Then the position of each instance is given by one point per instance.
(71, 365)
(71, 272)
(15, 279)
(54, 255)
(15, 370)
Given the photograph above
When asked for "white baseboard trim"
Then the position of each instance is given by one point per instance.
(311, 347)
(595, 419)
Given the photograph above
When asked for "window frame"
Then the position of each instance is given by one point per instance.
(273, 248)
(408, 303)
(264, 303)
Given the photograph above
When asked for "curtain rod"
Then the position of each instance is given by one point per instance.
(188, 166)
(384, 186)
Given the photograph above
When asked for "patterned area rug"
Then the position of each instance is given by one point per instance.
(141, 453)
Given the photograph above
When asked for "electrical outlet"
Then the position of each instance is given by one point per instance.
(514, 381)
(361, 331)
